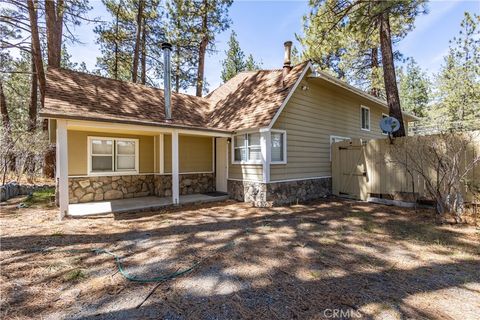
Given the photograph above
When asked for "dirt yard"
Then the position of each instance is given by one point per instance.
(325, 260)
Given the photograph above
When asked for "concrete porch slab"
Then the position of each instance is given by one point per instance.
(136, 204)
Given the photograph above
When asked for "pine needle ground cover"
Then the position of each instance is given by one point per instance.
(309, 261)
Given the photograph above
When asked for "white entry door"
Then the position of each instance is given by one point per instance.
(221, 164)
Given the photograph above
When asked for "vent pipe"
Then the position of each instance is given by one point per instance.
(287, 60)
(167, 88)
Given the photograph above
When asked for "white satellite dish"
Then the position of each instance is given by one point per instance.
(389, 124)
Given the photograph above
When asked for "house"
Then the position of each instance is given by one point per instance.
(262, 137)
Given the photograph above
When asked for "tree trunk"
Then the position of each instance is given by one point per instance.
(177, 67)
(374, 91)
(390, 79)
(202, 50)
(36, 50)
(32, 116)
(115, 65)
(54, 21)
(32, 107)
(9, 156)
(143, 80)
(136, 50)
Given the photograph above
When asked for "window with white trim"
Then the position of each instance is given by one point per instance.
(334, 139)
(365, 118)
(246, 148)
(109, 155)
(278, 146)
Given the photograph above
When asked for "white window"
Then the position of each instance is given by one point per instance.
(383, 117)
(334, 139)
(110, 155)
(365, 118)
(246, 148)
(279, 146)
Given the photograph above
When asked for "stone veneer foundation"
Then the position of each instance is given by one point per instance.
(88, 189)
(279, 193)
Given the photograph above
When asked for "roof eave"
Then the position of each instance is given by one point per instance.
(48, 115)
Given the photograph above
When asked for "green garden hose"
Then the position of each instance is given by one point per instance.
(142, 280)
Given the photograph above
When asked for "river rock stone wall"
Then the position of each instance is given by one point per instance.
(190, 183)
(279, 193)
(88, 189)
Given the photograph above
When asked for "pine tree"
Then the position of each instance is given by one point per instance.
(251, 64)
(235, 60)
(335, 27)
(414, 88)
(211, 18)
(458, 83)
(114, 39)
(180, 33)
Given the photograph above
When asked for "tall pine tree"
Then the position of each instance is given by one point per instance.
(458, 83)
(235, 60)
(414, 88)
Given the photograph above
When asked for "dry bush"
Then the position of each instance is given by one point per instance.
(22, 154)
(445, 162)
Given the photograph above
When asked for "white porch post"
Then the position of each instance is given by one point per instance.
(175, 169)
(161, 154)
(265, 146)
(62, 167)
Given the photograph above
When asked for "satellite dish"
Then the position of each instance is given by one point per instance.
(389, 124)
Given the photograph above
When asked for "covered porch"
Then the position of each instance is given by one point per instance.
(114, 167)
(149, 203)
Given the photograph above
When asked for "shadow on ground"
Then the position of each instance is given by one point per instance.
(304, 261)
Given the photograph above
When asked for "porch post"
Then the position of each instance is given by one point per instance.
(62, 167)
(161, 154)
(175, 169)
(265, 146)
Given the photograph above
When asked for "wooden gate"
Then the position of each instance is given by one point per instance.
(372, 168)
(349, 169)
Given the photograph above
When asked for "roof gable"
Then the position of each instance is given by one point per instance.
(252, 99)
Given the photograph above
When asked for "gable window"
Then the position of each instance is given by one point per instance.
(365, 118)
(383, 117)
(279, 146)
(246, 148)
(110, 155)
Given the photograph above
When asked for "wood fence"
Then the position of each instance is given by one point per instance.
(381, 169)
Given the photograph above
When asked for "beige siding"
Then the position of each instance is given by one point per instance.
(310, 118)
(251, 172)
(195, 153)
(77, 151)
(52, 130)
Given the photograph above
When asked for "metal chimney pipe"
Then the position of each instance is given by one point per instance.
(287, 60)
(167, 87)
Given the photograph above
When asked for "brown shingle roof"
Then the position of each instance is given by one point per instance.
(80, 95)
(251, 99)
(248, 100)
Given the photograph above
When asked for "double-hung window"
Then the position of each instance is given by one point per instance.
(365, 118)
(109, 155)
(246, 148)
(278, 146)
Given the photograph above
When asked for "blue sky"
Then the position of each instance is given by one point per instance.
(263, 26)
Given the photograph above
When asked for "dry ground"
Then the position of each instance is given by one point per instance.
(306, 261)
